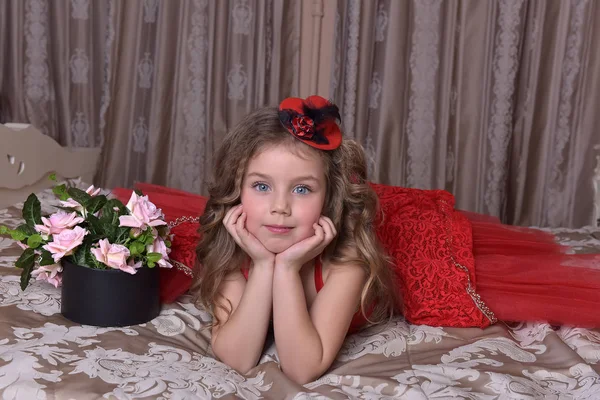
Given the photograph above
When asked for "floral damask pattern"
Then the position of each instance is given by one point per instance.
(190, 143)
(505, 72)
(45, 356)
(556, 188)
(424, 62)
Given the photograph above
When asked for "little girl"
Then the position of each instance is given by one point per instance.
(288, 242)
(287, 239)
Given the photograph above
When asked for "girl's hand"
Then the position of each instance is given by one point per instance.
(235, 223)
(298, 254)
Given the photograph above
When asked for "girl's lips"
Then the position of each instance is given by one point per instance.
(278, 228)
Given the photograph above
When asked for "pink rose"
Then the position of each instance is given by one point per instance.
(136, 265)
(65, 242)
(113, 255)
(70, 203)
(93, 191)
(159, 246)
(49, 273)
(143, 213)
(58, 222)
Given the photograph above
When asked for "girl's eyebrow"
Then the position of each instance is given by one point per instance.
(259, 175)
(307, 178)
(298, 178)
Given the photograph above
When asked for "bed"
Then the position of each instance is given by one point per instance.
(45, 356)
(28, 157)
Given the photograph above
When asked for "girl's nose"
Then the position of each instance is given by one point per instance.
(280, 204)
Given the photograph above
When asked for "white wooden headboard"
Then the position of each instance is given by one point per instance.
(28, 157)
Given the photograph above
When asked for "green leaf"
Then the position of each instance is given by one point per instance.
(92, 262)
(22, 232)
(109, 214)
(79, 257)
(26, 276)
(26, 229)
(46, 258)
(146, 237)
(110, 221)
(136, 248)
(61, 192)
(142, 237)
(34, 241)
(27, 258)
(95, 226)
(149, 240)
(151, 265)
(122, 235)
(79, 196)
(52, 177)
(115, 203)
(26, 262)
(168, 243)
(15, 234)
(94, 238)
(96, 203)
(32, 210)
(153, 257)
(112, 232)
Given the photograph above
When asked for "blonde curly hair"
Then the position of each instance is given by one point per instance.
(350, 203)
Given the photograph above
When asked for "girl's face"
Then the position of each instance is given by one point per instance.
(283, 193)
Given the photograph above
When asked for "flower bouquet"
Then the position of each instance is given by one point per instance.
(103, 253)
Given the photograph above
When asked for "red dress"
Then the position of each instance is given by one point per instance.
(521, 273)
(524, 275)
(358, 320)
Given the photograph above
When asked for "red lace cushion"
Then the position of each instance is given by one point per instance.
(177, 280)
(175, 204)
(423, 234)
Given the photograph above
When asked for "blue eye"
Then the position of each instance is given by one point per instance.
(302, 190)
(261, 187)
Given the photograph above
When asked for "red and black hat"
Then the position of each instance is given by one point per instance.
(312, 120)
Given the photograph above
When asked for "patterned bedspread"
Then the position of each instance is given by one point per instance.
(45, 356)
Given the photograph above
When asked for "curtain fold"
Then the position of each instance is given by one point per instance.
(491, 100)
(495, 101)
(155, 83)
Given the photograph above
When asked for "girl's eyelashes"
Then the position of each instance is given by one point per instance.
(302, 189)
(263, 187)
(260, 186)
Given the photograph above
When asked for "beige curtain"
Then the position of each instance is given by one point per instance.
(53, 67)
(495, 101)
(155, 83)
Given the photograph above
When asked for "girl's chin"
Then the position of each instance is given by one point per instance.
(278, 244)
(277, 248)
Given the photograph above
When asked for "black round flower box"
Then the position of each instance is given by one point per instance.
(109, 297)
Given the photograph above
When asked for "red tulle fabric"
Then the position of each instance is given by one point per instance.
(521, 274)
(524, 275)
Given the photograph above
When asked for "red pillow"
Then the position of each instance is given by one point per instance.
(175, 204)
(432, 248)
(177, 280)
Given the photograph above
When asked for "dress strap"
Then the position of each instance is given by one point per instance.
(245, 269)
(318, 274)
